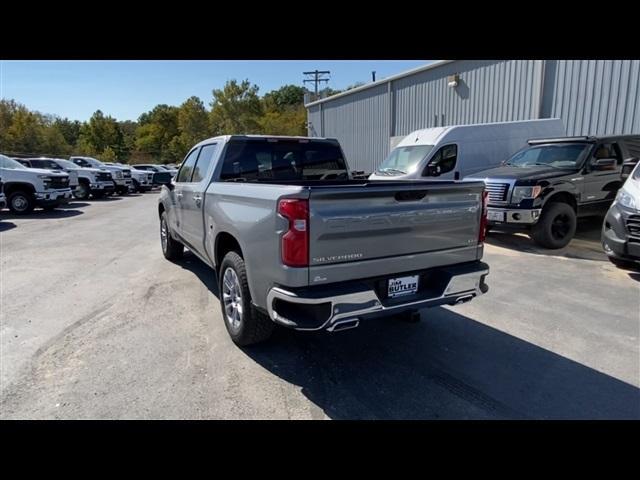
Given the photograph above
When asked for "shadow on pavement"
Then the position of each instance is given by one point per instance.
(4, 226)
(585, 245)
(38, 213)
(447, 366)
(205, 273)
(75, 204)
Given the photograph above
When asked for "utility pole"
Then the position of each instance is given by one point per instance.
(373, 76)
(316, 77)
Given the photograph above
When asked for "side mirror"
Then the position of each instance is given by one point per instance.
(164, 178)
(433, 170)
(601, 164)
(627, 166)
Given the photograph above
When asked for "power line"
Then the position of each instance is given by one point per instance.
(316, 77)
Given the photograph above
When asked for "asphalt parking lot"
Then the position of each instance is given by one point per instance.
(95, 323)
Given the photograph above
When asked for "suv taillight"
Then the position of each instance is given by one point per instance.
(295, 242)
(483, 218)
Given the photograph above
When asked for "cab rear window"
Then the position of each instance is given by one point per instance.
(275, 159)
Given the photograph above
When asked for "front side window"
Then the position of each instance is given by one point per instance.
(203, 163)
(403, 160)
(444, 160)
(184, 175)
(608, 150)
(557, 155)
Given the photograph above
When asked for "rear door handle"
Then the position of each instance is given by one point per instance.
(198, 200)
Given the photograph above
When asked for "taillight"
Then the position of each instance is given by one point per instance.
(483, 218)
(295, 242)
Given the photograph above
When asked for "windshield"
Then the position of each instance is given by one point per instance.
(6, 162)
(162, 168)
(404, 159)
(636, 172)
(66, 164)
(283, 160)
(559, 155)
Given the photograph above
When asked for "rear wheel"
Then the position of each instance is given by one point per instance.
(21, 203)
(171, 249)
(246, 325)
(556, 226)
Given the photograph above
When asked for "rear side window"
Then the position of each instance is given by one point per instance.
(267, 159)
(204, 161)
(184, 175)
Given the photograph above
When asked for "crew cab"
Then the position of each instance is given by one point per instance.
(545, 187)
(91, 181)
(621, 226)
(142, 181)
(50, 164)
(292, 249)
(121, 175)
(27, 188)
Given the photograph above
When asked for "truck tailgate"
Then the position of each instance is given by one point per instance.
(390, 227)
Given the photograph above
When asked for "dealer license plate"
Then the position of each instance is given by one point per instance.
(403, 286)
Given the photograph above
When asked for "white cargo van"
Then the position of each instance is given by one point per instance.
(454, 152)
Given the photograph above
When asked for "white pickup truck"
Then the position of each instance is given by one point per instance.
(142, 181)
(89, 181)
(27, 188)
(121, 175)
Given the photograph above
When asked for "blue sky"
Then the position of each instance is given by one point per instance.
(125, 89)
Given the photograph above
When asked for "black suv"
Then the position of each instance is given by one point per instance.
(546, 186)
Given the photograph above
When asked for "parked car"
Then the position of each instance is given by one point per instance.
(621, 227)
(50, 164)
(142, 181)
(121, 175)
(545, 187)
(454, 152)
(311, 254)
(91, 181)
(27, 188)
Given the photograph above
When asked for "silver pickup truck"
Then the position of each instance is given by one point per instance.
(296, 241)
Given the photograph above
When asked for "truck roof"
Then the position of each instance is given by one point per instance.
(226, 138)
(583, 139)
(430, 136)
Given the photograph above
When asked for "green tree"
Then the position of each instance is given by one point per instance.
(24, 135)
(236, 108)
(101, 132)
(70, 130)
(286, 96)
(193, 125)
(156, 129)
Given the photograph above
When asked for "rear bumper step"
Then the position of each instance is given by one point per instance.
(343, 305)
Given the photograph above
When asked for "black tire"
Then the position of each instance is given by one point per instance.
(171, 249)
(135, 187)
(50, 208)
(21, 202)
(556, 226)
(98, 195)
(254, 326)
(82, 191)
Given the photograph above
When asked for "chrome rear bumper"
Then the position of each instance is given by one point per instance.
(358, 303)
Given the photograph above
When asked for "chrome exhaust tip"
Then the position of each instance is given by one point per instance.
(465, 299)
(344, 325)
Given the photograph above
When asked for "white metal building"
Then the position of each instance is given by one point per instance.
(592, 97)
